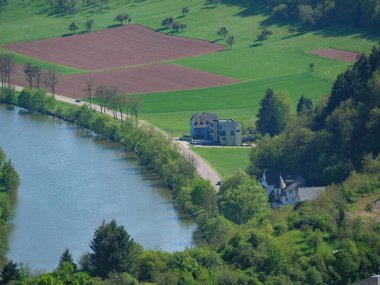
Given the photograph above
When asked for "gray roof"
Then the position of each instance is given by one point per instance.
(202, 120)
(308, 193)
(374, 280)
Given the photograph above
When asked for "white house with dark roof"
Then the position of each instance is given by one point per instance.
(373, 280)
(286, 191)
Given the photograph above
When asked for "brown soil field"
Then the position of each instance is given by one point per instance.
(146, 79)
(127, 45)
(337, 54)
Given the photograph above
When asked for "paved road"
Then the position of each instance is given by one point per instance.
(203, 168)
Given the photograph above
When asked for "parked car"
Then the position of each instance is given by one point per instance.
(77, 100)
(219, 183)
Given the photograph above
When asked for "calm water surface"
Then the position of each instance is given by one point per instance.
(70, 182)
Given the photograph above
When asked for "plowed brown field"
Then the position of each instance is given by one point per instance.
(148, 79)
(123, 46)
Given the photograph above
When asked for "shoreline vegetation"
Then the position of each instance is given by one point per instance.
(9, 181)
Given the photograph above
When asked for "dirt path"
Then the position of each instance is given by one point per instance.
(203, 168)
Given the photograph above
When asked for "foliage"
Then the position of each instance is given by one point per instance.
(113, 250)
(242, 202)
(274, 113)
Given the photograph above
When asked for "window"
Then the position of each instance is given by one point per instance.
(238, 131)
(232, 133)
(222, 133)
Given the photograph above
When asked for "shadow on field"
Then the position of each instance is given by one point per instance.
(114, 26)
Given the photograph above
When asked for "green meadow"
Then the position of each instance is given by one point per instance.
(225, 160)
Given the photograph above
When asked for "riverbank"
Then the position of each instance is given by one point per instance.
(9, 182)
(154, 149)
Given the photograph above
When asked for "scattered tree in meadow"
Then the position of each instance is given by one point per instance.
(291, 30)
(265, 33)
(89, 24)
(167, 22)
(178, 26)
(73, 27)
(122, 17)
(51, 78)
(185, 11)
(230, 41)
(222, 32)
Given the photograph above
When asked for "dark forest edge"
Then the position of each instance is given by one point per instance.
(316, 242)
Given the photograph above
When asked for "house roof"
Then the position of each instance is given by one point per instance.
(201, 120)
(374, 280)
(309, 193)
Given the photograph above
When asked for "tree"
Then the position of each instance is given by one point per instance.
(261, 37)
(89, 24)
(274, 113)
(6, 69)
(28, 70)
(9, 273)
(51, 78)
(265, 33)
(222, 32)
(230, 41)
(178, 26)
(134, 105)
(304, 104)
(244, 202)
(66, 258)
(121, 18)
(185, 10)
(167, 22)
(113, 250)
(101, 94)
(291, 30)
(73, 27)
(36, 73)
(204, 196)
(89, 90)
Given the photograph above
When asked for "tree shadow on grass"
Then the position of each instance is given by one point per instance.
(256, 45)
(67, 35)
(114, 26)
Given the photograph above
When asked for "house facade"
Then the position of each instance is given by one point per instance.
(286, 191)
(207, 126)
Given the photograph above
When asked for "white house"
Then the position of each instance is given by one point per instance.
(286, 192)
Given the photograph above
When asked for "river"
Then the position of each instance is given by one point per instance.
(70, 182)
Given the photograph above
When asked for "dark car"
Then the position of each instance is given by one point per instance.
(77, 100)
(219, 183)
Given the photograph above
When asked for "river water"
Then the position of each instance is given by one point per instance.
(70, 182)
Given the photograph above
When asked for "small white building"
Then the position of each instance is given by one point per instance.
(286, 192)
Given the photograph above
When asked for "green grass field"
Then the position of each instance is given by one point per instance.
(225, 160)
(280, 63)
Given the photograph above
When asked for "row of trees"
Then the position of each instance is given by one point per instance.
(7, 68)
(175, 25)
(35, 76)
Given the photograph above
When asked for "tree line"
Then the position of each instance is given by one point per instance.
(322, 13)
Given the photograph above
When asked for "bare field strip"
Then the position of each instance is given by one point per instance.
(124, 46)
(147, 79)
(337, 54)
